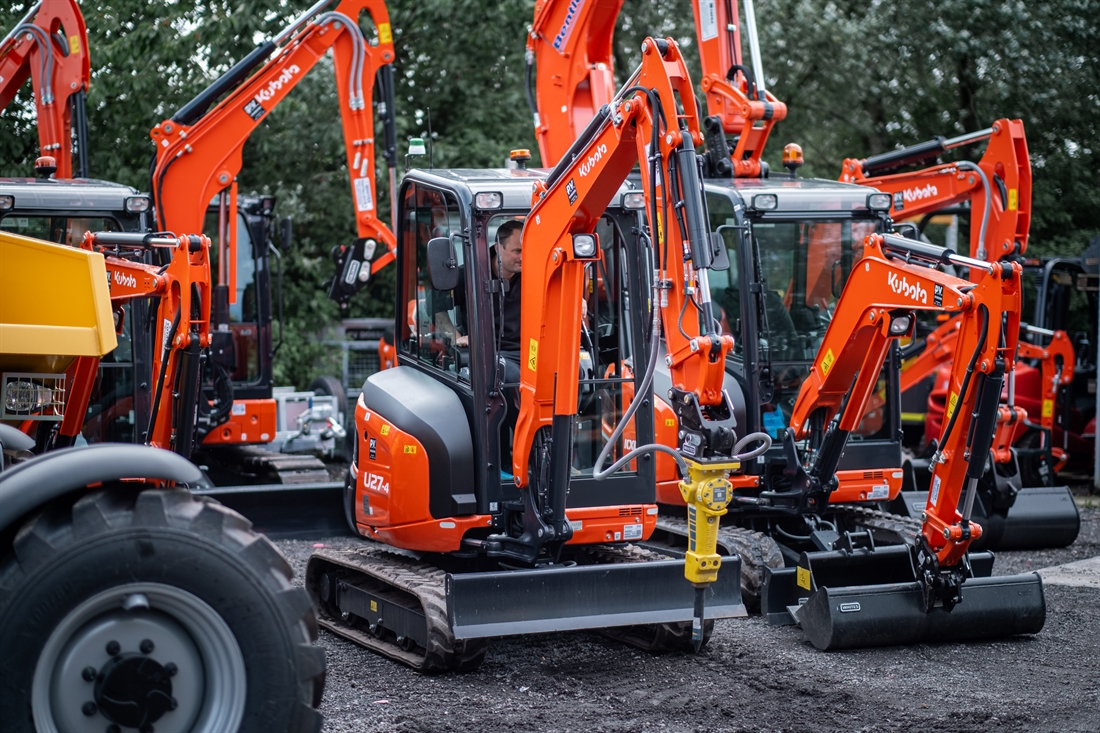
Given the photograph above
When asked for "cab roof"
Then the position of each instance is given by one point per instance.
(796, 194)
(68, 194)
(514, 184)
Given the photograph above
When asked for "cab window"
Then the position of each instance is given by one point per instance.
(60, 229)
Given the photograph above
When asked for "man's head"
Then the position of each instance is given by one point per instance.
(509, 248)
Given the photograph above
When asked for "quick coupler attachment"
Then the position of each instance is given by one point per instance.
(893, 614)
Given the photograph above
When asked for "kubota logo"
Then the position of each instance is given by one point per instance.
(596, 157)
(123, 278)
(916, 194)
(903, 288)
(278, 83)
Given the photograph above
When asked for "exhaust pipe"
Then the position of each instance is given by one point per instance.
(893, 614)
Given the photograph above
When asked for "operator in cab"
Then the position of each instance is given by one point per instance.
(507, 263)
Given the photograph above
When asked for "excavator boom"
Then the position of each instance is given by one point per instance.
(199, 151)
(50, 45)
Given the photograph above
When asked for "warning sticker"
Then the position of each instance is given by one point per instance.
(934, 497)
(385, 430)
(670, 422)
(827, 362)
(533, 355)
(632, 531)
(879, 492)
(410, 449)
(1048, 408)
(708, 20)
(954, 400)
(1013, 199)
(364, 201)
(238, 408)
(74, 44)
(385, 35)
(803, 578)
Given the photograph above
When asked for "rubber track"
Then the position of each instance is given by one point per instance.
(757, 550)
(418, 579)
(655, 638)
(902, 530)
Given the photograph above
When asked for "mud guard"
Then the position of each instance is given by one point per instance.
(1041, 517)
(584, 597)
(893, 614)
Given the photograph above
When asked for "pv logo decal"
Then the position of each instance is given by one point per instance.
(903, 288)
(571, 191)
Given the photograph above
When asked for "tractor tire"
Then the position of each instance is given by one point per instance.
(1033, 469)
(150, 610)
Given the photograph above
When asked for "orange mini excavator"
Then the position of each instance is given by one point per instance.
(928, 589)
(198, 158)
(50, 45)
(998, 191)
(483, 514)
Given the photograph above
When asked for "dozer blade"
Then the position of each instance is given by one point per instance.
(893, 614)
(585, 597)
(1041, 517)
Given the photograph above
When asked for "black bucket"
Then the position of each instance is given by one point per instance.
(893, 614)
(1040, 518)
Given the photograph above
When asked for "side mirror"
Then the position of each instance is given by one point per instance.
(442, 264)
(286, 234)
(720, 259)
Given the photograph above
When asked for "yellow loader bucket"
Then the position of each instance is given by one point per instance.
(55, 305)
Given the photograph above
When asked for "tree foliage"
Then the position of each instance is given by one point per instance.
(859, 77)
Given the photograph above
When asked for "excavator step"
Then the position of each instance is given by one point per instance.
(1042, 517)
(433, 621)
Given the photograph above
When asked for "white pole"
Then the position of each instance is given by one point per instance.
(754, 47)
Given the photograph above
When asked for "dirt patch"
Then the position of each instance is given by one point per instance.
(751, 678)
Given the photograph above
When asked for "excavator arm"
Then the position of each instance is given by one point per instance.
(891, 282)
(652, 121)
(998, 187)
(199, 151)
(570, 45)
(183, 290)
(50, 45)
(737, 105)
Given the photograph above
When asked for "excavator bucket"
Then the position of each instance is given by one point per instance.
(872, 597)
(1039, 518)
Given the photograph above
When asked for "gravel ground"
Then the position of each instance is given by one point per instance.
(752, 677)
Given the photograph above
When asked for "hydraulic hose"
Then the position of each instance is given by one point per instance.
(46, 63)
(983, 312)
(968, 166)
(355, 84)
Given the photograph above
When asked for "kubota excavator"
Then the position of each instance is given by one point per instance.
(998, 191)
(50, 45)
(483, 527)
(864, 595)
(198, 157)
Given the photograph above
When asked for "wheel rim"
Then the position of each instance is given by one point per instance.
(140, 655)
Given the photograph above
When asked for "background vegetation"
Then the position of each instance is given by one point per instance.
(859, 77)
